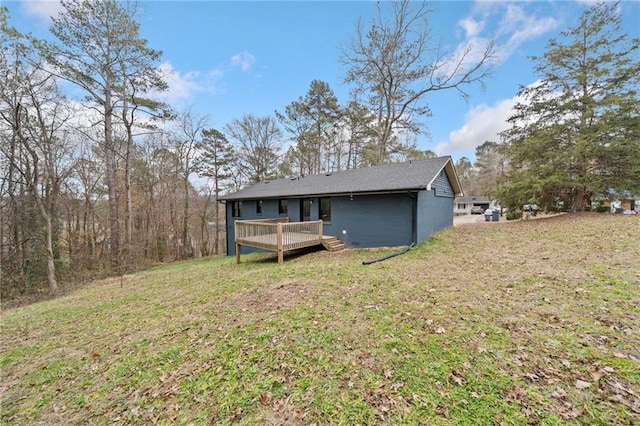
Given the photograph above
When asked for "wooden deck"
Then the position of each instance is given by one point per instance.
(277, 235)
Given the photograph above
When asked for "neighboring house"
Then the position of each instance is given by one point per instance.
(617, 202)
(390, 205)
(619, 205)
(463, 205)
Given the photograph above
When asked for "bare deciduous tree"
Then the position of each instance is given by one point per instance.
(258, 142)
(394, 64)
(186, 136)
(33, 114)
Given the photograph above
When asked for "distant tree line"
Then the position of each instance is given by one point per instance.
(100, 177)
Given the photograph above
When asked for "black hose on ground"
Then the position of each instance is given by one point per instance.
(389, 256)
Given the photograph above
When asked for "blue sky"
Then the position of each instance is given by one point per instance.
(227, 59)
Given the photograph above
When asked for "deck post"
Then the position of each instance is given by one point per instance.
(235, 237)
(280, 248)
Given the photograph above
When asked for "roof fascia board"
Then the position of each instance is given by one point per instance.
(336, 194)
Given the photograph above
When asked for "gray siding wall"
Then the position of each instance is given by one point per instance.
(442, 186)
(435, 210)
(371, 220)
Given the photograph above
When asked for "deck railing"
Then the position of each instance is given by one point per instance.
(293, 230)
(277, 234)
(263, 232)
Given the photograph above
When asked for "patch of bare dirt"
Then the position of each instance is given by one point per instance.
(285, 294)
(279, 412)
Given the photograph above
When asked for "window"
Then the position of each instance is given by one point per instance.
(283, 207)
(259, 207)
(305, 210)
(325, 209)
(236, 209)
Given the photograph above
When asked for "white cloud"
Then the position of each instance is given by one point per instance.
(183, 86)
(43, 9)
(519, 27)
(511, 23)
(482, 123)
(242, 60)
(471, 27)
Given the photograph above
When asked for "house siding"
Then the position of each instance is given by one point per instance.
(269, 211)
(442, 186)
(371, 220)
(435, 212)
(435, 208)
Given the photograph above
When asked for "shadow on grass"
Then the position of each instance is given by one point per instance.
(288, 256)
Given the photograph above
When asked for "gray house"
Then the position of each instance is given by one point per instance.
(390, 205)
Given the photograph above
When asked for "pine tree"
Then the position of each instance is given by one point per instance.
(215, 162)
(311, 120)
(577, 132)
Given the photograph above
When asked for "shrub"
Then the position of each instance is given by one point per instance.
(514, 215)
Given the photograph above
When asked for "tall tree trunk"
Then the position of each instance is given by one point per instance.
(185, 218)
(579, 200)
(51, 267)
(128, 123)
(112, 179)
(127, 184)
(216, 239)
(45, 212)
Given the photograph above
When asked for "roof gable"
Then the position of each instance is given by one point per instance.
(412, 175)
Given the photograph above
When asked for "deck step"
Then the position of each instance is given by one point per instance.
(332, 244)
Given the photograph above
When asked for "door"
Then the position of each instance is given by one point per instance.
(305, 210)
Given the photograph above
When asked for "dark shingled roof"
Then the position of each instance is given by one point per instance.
(473, 199)
(413, 175)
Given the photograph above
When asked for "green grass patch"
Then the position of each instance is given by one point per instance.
(531, 322)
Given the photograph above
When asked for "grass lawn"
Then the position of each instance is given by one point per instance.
(530, 322)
